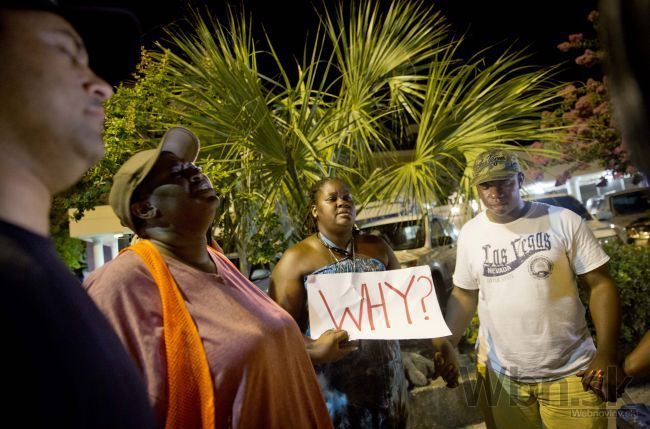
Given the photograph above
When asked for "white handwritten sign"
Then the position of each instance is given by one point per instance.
(397, 304)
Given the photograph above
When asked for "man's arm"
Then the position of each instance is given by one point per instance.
(460, 310)
(604, 374)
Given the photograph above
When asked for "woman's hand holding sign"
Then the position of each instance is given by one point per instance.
(331, 346)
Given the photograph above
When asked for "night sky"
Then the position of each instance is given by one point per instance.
(541, 25)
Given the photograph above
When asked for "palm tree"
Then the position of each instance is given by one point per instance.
(368, 77)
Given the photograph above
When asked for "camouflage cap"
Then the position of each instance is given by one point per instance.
(495, 164)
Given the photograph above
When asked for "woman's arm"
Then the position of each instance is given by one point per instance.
(286, 287)
(288, 291)
(393, 263)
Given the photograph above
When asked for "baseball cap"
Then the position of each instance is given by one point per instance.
(111, 35)
(495, 164)
(180, 141)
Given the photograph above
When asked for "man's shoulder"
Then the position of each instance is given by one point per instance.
(477, 221)
(14, 239)
(538, 207)
(23, 260)
(555, 213)
(15, 253)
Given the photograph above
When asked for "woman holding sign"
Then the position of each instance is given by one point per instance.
(363, 384)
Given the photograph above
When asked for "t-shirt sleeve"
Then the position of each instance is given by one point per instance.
(463, 277)
(586, 254)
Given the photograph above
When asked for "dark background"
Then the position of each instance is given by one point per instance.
(538, 25)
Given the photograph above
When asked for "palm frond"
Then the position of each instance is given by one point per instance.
(380, 56)
(468, 108)
(367, 78)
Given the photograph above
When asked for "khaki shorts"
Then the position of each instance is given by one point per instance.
(558, 404)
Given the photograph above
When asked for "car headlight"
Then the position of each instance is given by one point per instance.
(609, 239)
(639, 235)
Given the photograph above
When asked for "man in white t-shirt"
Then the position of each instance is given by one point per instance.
(520, 263)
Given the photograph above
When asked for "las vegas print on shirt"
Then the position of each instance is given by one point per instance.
(500, 261)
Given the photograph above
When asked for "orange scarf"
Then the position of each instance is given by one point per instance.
(190, 399)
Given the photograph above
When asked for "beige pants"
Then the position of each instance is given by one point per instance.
(559, 404)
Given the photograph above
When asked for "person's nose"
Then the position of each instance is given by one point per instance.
(98, 87)
(193, 173)
(341, 202)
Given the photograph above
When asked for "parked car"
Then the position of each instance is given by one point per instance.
(604, 232)
(628, 210)
(418, 239)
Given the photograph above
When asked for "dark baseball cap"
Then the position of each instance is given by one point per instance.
(111, 35)
(495, 164)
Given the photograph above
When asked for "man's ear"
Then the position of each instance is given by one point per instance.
(144, 210)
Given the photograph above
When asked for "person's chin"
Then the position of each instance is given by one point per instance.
(94, 127)
(214, 200)
(98, 151)
(345, 222)
(92, 150)
(499, 210)
(207, 195)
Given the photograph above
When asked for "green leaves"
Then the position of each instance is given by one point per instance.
(630, 268)
(370, 81)
(382, 58)
(467, 108)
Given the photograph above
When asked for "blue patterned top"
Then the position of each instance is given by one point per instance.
(367, 388)
(346, 265)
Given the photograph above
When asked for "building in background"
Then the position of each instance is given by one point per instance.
(103, 234)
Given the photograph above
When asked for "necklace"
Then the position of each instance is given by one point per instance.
(348, 252)
(332, 246)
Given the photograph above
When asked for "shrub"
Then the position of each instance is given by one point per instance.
(468, 341)
(630, 267)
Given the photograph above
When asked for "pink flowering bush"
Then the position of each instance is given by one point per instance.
(585, 114)
(589, 58)
(576, 38)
